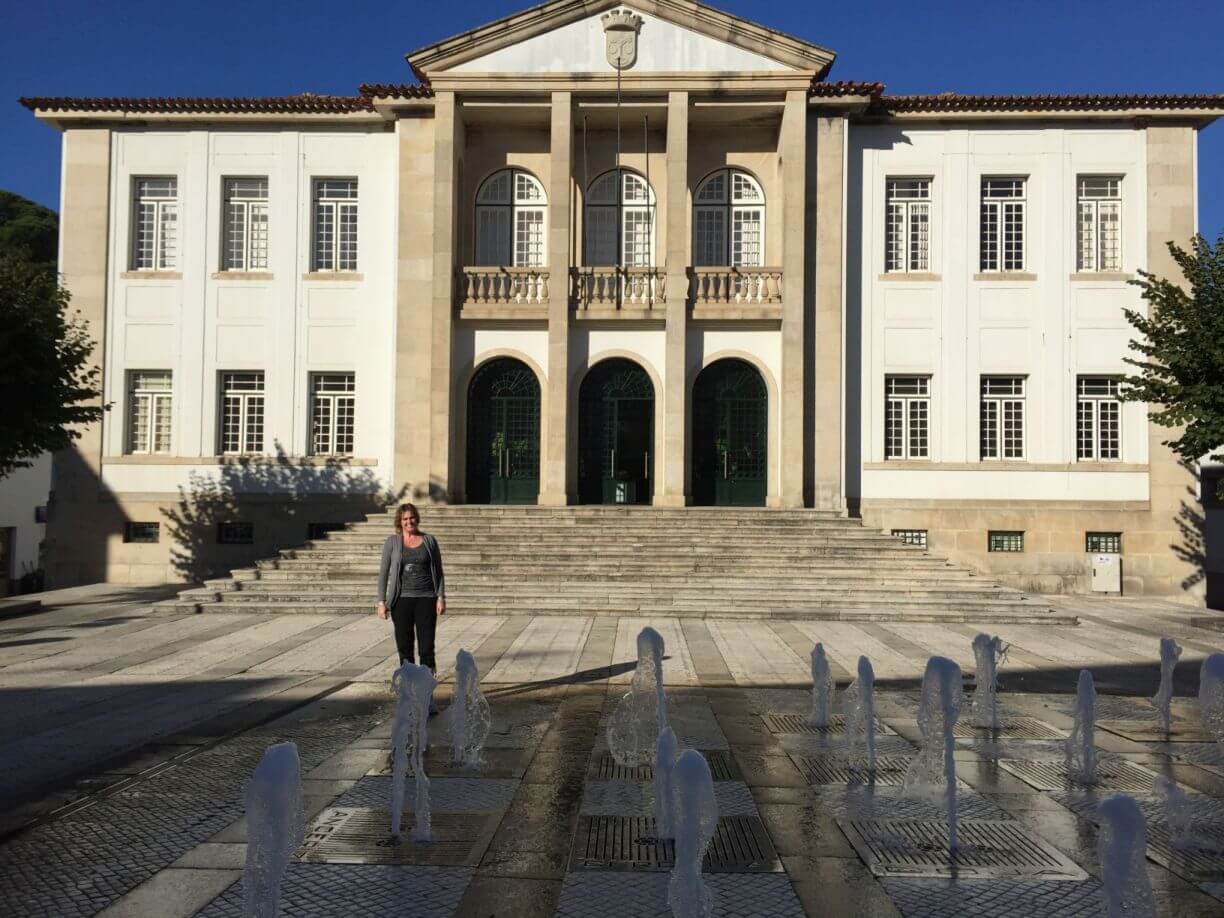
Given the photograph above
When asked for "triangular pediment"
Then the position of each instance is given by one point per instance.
(568, 36)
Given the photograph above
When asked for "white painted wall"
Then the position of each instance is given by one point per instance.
(20, 493)
(580, 47)
(289, 326)
(956, 328)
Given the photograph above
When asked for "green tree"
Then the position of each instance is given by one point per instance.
(28, 230)
(1181, 371)
(45, 378)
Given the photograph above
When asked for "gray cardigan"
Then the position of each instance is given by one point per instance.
(392, 562)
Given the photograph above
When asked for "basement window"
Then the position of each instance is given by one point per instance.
(1005, 541)
(912, 536)
(235, 533)
(1103, 543)
(141, 532)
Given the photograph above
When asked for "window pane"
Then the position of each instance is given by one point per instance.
(1109, 216)
(1013, 236)
(1005, 541)
(637, 227)
(1087, 236)
(713, 190)
(919, 240)
(709, 236)
(529, 238)
(325, 236)
(918, 410)
(496, 189)
(347, 256)
(601, 236)
(1110, 429)
(912, 536)
(744, 189)
(168, 235)
(253, 439)
(1103, 542)
(492, 236)
(746, 226)
(894, 429)
(235, 236)
(990, 236)
(990, 429)
(527, 190)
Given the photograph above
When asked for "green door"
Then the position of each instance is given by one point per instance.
(503, 448)
(730, 436)
(616, 435)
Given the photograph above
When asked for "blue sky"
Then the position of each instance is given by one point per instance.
(138, 47)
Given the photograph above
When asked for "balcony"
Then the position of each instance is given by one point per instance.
(625, 293)
(502, 293)
(735, 293)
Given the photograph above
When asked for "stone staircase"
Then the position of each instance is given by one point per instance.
(637, 561)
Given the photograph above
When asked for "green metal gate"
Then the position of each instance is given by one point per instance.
(730, 435)
(503, 446)
(616, 435)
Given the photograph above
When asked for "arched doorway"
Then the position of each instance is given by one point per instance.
(616, 434)
(503, 436)
(730, 435)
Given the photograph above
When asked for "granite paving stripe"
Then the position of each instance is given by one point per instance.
(1015, 652)
(548, 648)
(213, 651)
(494, 647)
(900, 644)
(182, 643)
(845, 643)
(802, 645)
(253, 658)
(323, 653)
(597, 653)
(756, 655)
(708, 661)
(678, 666)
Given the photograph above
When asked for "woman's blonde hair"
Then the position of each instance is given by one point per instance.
(411, 510)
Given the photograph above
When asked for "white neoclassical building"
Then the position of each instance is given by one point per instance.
(638, 252)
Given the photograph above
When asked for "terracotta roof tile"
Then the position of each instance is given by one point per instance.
(955, 102)
(396, 91)
(305, 103)
(847, 88)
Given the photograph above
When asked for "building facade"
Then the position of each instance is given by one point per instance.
(624, 253)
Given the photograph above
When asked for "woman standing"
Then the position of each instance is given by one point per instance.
(411, 586)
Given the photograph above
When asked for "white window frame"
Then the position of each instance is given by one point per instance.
(333, 399)
(1001, 419)
(1000, 205)
(736, 197)
(524, 203)
(908, 220)
(250, 407)
(1096, 398)
(162, 254)
(907, 399)
(636, 205)
(150, 412)
(340, 210)
(244, 245)
(1098, 201)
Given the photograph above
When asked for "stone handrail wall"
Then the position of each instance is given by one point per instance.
(621, 288)
(721, 285)
(502, 285)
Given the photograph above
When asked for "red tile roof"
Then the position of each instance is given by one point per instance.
(954, 102)
(396, 91)
(846, 88)
(306, 103)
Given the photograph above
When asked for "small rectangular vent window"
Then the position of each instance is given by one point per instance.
(912, 536)
(235, 533)
(1005, 541)
(1103, 543)
(141, 532)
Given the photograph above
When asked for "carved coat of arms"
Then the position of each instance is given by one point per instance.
(621, 31)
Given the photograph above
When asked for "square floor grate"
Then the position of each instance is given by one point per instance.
(819, 769)
(605, 768)
(359, 835)
(1203, 861)
(1112, 775)
(797, 723)
(1150, 731)
(987, 849)
(628, 843)
(1011, 728)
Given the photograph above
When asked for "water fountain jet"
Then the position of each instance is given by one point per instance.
(469, 715)
(1081, 753)
(414, 687)
(1122, 847)
(988, 654)
(823, 688)
(860, 715)
(933, 771)
(633, 728)
(696, 820)
(1170, 651)
(666, 754)
(276, 826)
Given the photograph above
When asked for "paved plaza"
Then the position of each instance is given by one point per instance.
(128, 736)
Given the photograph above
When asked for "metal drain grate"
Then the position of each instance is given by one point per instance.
(796, 723)
(359, 835)
(628, 843)
(1195, 864)
(1150, 731)
(605, 768)
(819, 769)
(1012, 728)
(988, 849)
(1112, 775)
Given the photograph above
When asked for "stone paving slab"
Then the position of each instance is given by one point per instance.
(455, 795)
(615, 895)
(996, 899)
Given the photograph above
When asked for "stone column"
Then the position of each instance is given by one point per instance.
(447, 141)
(793, 147)
(560, 222)
(78, 525)
(828, 492)
(414, 320)
(1170, 567)
(669, 488)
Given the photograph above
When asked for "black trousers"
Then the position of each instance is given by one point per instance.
(419, 614)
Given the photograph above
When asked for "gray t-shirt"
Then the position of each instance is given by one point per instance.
(415, 579)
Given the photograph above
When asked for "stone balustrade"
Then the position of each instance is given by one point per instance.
(618, 288)
(717, 286)
(502, 286)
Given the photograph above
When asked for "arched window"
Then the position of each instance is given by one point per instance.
(633, 234)
(511, 216)
(729, 220)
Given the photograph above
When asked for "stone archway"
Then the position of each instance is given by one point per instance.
(730, 445)
(503, 434)
(616, 403)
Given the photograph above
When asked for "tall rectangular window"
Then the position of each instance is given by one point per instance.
(1002, 223)
(907, 417)
(1098, 419)
(1099, 222)
(149, 411)
(245, 247)
(242, 412)
(1002, 419)
(332, 412)
(155, 223)
(335, 224)
(907, 236)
